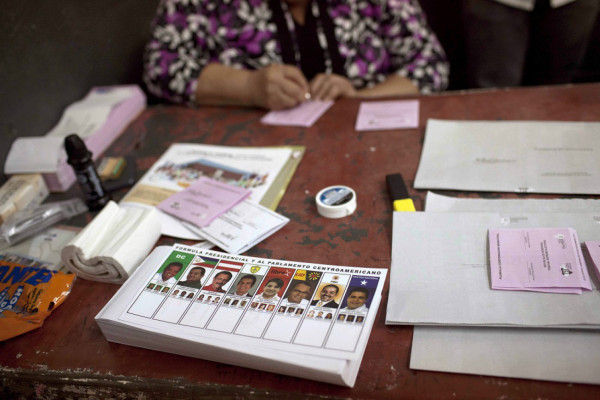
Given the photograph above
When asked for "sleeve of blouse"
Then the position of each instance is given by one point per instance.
(178, 50)
(415, 50)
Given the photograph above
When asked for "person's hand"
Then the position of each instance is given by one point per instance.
(278, 87)
(330, 87)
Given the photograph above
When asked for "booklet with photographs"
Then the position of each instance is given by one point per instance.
(307, 320)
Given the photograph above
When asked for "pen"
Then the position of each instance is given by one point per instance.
(398, 193)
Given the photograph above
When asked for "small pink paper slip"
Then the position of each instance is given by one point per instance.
(306, 114)
(539, 259)
(384, 115)
(203, 201)
(593, 249)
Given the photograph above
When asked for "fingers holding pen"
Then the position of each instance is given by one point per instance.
(302, 89)
(278, 87)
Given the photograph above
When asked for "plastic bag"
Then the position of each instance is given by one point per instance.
(28, 294)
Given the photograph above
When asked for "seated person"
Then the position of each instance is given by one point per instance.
(275, 54)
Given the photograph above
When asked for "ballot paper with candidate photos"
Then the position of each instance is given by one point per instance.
(295, 318)
(543, 260)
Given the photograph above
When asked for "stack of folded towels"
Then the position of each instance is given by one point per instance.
(114, 244)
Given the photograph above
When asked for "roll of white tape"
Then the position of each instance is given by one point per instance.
(336, 201)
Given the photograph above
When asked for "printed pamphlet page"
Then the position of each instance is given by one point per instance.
(307, 320)
(265, 171)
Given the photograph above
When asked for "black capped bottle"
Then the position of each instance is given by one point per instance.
(80, 158)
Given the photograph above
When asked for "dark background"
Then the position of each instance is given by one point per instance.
(53, 52)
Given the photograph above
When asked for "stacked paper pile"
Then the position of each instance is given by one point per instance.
(98, 119)
(307, 320)
(441, 277)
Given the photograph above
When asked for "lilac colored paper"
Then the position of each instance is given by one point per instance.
(303, 115)
(384, 115)
(593, 249)
(544, 260)
(203, 201)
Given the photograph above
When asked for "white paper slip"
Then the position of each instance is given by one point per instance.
(248, 311)
(384, 115)
(436, 202)
(305, 114)
(87, 116)
(440, 273)
(508, 156)
(562, 355)
(20, 159)
(241, 228)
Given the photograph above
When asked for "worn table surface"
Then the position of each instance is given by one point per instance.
(69, 357)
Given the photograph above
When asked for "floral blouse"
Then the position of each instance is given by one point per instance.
(371, 40)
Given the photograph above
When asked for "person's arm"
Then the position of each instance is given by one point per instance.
(274, 87)
(393, 85)
(182, 64)
(332, 86)
(177, 51)
(415, 51)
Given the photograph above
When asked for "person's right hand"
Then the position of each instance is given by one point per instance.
(278, 87)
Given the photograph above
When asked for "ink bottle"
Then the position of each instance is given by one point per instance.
(80, 158)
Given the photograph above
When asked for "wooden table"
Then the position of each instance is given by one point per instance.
(69, 357)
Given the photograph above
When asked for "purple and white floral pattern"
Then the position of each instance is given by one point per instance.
(375, 38)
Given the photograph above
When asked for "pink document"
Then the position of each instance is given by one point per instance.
(306, 114)
(593, 249)
(383, 115)
(543, 260)
(203, 201)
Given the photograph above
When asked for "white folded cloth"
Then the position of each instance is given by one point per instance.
(114, 244)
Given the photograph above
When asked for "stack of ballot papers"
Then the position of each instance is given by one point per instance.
(252, 312)
(447, 344)
(98, 119)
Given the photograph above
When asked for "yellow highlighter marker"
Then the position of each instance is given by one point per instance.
(398, 193)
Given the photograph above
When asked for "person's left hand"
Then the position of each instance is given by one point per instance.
(330, 87)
